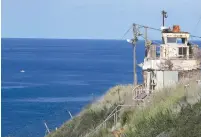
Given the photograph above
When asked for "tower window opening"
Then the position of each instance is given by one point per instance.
(171, 40)
(181, 40)
(182, 51)
(176, 40)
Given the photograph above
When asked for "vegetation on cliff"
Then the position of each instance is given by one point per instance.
(93, 114)
(172, 112)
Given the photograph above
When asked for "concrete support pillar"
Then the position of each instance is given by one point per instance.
(148, 82)
(187, 52)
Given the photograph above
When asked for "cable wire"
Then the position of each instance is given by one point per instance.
(197, 24)
(126, 32)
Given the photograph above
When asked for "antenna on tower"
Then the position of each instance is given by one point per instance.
(164, 13)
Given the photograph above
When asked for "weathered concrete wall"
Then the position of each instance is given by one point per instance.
(177, 64)
(166, 78)
(189, 74)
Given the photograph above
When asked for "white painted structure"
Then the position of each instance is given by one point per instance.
(158, 64)
(175, 55)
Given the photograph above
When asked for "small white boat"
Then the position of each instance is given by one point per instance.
(22, 71)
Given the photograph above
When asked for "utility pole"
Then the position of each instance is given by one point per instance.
(135, 34)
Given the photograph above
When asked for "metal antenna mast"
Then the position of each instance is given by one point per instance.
(164, 13)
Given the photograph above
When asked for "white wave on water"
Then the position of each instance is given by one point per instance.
(71, 82)
(27, 112)
(17, 85)
(12, 87)
(51, 99)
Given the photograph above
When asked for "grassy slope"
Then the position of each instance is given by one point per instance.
(172, 112)
(186, 123)
(172, 116)
(93, 114)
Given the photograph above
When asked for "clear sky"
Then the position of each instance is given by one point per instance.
(94, 19)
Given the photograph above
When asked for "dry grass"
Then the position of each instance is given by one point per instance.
(163, 105)
(159, 111)
(113, 96)
(94, 113)
(158, 114)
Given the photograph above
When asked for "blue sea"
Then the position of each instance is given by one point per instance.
(60, 75)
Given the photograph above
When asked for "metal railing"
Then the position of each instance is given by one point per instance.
(113, 114)
(138, 90)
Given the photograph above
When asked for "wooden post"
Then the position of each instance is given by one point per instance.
(47, 129)
(70, 114)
